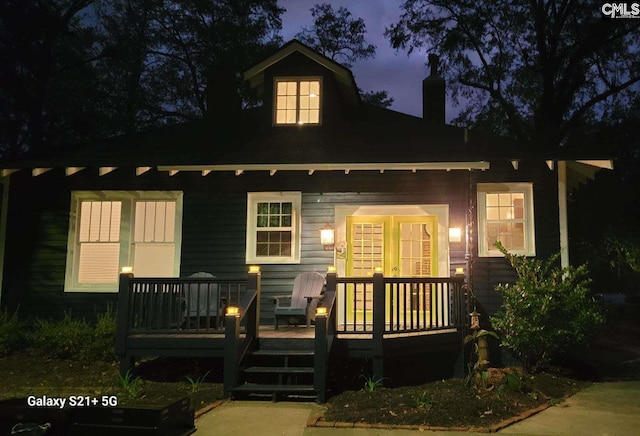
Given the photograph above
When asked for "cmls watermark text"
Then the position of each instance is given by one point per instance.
(621, 10)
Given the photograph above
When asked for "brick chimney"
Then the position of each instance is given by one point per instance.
(433, 94)
(222, 98)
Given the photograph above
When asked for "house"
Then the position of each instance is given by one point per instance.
(404, 199)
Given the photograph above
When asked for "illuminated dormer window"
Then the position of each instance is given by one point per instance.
(297, 101)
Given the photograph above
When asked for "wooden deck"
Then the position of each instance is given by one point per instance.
(398, 317)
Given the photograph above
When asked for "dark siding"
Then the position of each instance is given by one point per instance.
(214, 224)
(489, 271)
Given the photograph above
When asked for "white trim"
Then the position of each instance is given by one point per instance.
(126, 224)
(39, 171)
(550, 164)
(399, 166)
(69, 171)
(606, 164)
(529, 220)
(8, 171)
(106, 170)
(514, 164)
(295, 197)
(4, 211)
(562, 211)
(141, 170)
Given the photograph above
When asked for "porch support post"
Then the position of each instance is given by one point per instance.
(562, 210)
(231, 339)
(378, 326)
(122, 323)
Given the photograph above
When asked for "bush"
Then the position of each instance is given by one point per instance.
(62, 339)
(11, 333)
(77, 339)
(547, 313)
(103, 338)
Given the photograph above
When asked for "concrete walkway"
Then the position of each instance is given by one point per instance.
(603, 409)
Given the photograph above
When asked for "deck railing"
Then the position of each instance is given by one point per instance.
(381, 306)
(390, 305)
(175, 305)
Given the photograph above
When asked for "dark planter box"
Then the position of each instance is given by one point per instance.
(176, 419)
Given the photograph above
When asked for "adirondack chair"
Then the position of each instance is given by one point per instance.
(307, 292)
(202, 303)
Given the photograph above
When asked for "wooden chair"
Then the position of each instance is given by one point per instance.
(307, 292)
(203, 305)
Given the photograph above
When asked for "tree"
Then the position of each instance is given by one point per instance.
(535, 70)
(337, 35)
(376, 98)
(163, 50)
(341, 38)
(47, 97)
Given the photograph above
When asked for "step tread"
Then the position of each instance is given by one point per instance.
(249, 387)
(280, 369)
(268, 352)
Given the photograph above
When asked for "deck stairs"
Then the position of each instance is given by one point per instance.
(279, 369)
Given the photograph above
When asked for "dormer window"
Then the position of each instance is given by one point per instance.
(297, 101)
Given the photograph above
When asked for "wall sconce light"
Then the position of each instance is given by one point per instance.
(327, 237)
(127, 270)
(455, 234)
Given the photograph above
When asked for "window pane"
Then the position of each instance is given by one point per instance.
(286, 221)
(314, 87)
(292, 88)
(304, 88)
(314, 117)
(304, 117)
(263, 221)
(98, 262)
(290, 117)
(492, 200)
(154, 260)
(282, 88)
(287, 208)
(493, 213)
(274, 221)
(274, 208)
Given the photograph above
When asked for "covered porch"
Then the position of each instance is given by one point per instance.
(373, 317)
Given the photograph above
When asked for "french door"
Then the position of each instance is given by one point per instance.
(402, 246)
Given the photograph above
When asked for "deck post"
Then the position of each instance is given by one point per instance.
(122, 323)
(321, 350)
(320, 358)
(253, 316)
(460, 312)
(231, 339)
(378, 325)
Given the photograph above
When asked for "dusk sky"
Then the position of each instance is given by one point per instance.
(399, 74)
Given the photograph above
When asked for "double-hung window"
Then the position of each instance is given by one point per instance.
(505, 214)
(297, 101)
(112, 229)
(273, 227)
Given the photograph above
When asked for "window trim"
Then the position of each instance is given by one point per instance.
(253, 198)
(529, 221)
(297, 79)
(126, 234)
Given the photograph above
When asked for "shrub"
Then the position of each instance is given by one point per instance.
(547, 313)
(62, 339)
(72, 338)
(11, 333)
(103, 337)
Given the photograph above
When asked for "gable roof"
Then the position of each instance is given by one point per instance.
(343, 75)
